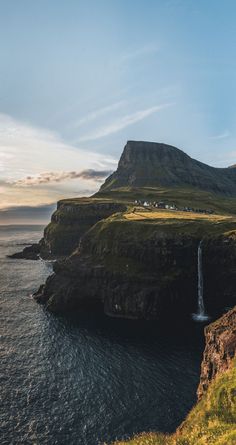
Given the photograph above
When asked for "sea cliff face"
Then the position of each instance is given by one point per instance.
(220, 349)
(142, 270)
(71, 220)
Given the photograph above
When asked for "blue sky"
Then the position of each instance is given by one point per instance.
(79, 78)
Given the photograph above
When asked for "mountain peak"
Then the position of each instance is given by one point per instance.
(153, 164)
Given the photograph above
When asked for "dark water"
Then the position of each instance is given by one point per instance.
(86, 380)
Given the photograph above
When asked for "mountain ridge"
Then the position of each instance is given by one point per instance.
(153, 164)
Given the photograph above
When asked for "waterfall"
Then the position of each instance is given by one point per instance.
(201, 313)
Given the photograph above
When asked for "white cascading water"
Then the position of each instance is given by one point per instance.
(201, 313)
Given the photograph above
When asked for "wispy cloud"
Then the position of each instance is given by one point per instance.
(48, 177)
(30, 149)
(123, 122)
(220, 136)
(139, 52)
(96, 114)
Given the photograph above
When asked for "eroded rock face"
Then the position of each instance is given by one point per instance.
(219, 270)
(71, 220)
(220, 349)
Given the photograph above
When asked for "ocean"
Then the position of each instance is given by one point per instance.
(86, 379)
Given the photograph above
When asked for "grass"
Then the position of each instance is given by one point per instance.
(140, 215)
(85, 200)
(211, 422)
(180, 196)
(133, 228)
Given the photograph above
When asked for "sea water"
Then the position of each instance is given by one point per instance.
(87, 379)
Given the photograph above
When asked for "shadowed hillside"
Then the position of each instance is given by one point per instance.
(150, 164)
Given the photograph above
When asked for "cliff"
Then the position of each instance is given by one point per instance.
(220, 349)
(71, 220)
(213, 420)
(151, 164)
(145, 268)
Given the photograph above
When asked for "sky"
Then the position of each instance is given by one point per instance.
(78, 78)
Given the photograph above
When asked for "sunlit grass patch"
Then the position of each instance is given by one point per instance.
(139, 215)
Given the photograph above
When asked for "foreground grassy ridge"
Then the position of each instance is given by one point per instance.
(211, 422)
(143, 223)
(120, 239)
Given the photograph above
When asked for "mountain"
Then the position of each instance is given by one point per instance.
(151, 164)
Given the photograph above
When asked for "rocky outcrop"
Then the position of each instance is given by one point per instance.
(28, 253)
(151, 164)
(220, 349)
(71, 220)
(139, 270)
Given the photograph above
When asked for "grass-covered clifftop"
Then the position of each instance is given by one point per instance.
(72, 219)
(180, 196)
(143, 264)
(139, 225)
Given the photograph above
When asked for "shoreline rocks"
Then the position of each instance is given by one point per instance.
(31, 252)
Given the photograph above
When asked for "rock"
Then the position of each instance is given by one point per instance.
(71, 220)
(220, 349)
(29, 253)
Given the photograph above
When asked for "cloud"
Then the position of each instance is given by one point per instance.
(29, 149)
(47, 177)
(223, 135)
(123, 122)
(26, 150)
(139, 52)
(97, 114)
